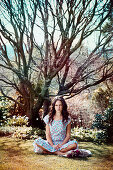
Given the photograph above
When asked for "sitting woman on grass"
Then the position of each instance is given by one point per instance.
(58, 132)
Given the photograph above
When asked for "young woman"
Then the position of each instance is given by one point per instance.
(58, 131)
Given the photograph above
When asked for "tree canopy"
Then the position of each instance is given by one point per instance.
(46, 38)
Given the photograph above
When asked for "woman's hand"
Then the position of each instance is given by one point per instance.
(57, 146)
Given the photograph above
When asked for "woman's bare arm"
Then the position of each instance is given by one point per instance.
(48, 135)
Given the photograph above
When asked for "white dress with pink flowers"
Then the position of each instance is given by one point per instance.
(58, 134)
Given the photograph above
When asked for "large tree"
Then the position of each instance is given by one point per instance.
(46, 38)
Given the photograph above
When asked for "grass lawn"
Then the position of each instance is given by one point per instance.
(16, 154)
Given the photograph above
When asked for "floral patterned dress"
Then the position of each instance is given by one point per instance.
(58, 134)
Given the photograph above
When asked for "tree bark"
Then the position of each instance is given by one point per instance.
(36, 121)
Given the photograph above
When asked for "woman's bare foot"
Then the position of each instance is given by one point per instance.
(61, 153)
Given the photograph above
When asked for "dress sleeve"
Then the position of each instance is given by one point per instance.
(46, 119)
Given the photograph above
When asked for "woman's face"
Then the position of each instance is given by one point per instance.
(58, 106)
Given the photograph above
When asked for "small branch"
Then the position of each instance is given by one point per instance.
(10, 98)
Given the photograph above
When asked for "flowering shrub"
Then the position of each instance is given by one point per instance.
(105, 122)
(80, 134)
(22, 132)
(90, 135)
(108, 121)
(17, 121)
(4, 109)
(36, 132)
(17, 127)
(101, 97)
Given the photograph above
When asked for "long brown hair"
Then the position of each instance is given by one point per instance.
(65, 113)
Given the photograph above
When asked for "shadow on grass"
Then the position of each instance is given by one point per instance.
(19, 153)
(101, 152)
(18, 147)
(14, 147)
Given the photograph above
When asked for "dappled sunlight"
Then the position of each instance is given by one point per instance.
(18, 154)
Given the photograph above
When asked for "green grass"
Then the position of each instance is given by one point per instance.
(16, 154)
